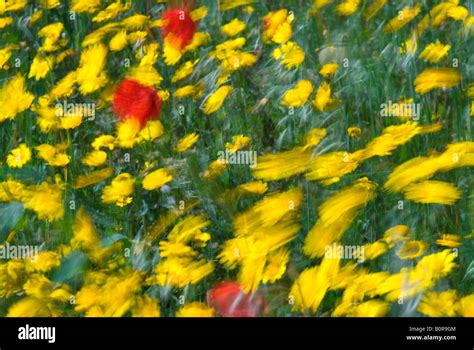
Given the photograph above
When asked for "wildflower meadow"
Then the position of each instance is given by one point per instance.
(245, 158)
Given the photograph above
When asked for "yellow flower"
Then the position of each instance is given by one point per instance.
(435, 52)
(328, 70)
(84, 233)
(329, 168)
(319, 4)
(11, 277)
(268, 212)
(175, 249)
(195, 309)
(146, 75)
(152, 130)
(347, 7)
(65, 87)
(35, 17)
(396, 234)
(5, 54)
(465, 306)
(135, 22)
(119, 41)
(120, 190)
(436, 78)
(277, 26)
(235, 60)
(255, 187)
(450, 241)
(181, 271)
(215, 169)
(96, 37)
(103, 141)
(95, 158)
(5, 22)
(187, 142)
(89, 6)
(371, 308)
(238, 142)
(421, 168)
(43, 299)
(354, 132)
(432, 192)
(11, 190)
(323, 98)
(52, 34)
(19, 156)
(276, 265)
(45, 200)
(156, 179)
(374, 8)
(146, 306)
(227, 46)
(289, 54)
(184, 71)
(336, 215)
(112, 297)
(404, 17)
(53, 155)
(458, 13)
(412, 249)
(14, 98)
(127, 132)
(149, 55)
(50, 4)
(392, 137)
(28, 307)
(188, 90)
(233, 28)
(313, 137)
(299, 95)
(374, 250)
(410, 46)
(215, 100)
(259, 232)
(164, 95)
(435, 266)
(436, 304)
(70, 122)
(231, 58)
(171, 52)
(111, 11)
(311, 286)
(43, 262)
(225, 5)
(138, 37)
(188, 229)
(91, 74)
(282, 165)
(199, 39)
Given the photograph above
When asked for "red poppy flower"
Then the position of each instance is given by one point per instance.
(178, 21)
(229, 300)
(134, 100)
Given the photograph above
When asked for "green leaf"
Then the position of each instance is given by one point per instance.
(72, 266)
(112, 239)
(10, 214)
